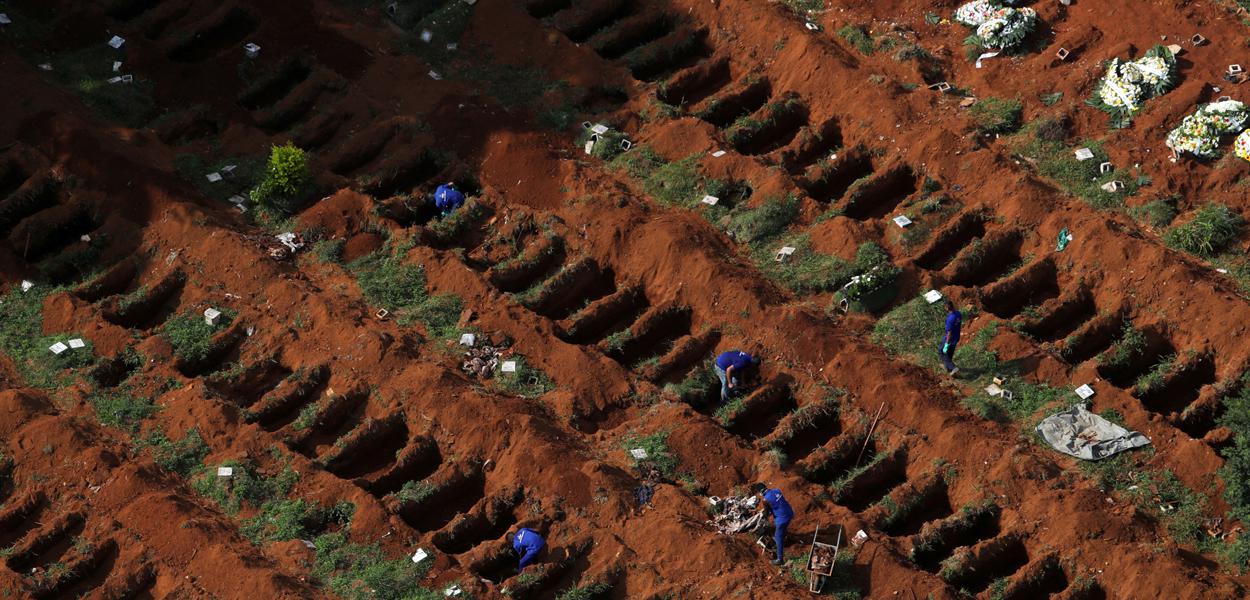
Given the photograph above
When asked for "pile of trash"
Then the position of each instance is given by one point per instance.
(285, 245)
(998, 27)
(1199, 134)
(736, 515)
(481, 360)
(1127, 85)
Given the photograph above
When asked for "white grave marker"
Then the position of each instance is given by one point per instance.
(1085, 391)
(454, 590)
(114, 79)
(1234, 69)
(1084, 154)
(237, 199)
(993, 390)
(225, 471)
(77, 343)
(427, 35)
(58, 348)
(212, 316)
(932, 296)
(639, 453)
(1062, 53)
(5, 20)
(710, 200)
(117, 42)
(251, 50)
(468, 339)
(590, 145)
(85, 237)
(128, 78)
(902, 221)
(228, 170)
(508, 366)
(45, 66)
(420, 555)
(718, 153)
(784, 253)
(1105, 168)
(117, 66)
(812, 26)
(213, 177)
(26, 285)
(1112, 186)
(382, 313)
(599, 128)
(435, 76)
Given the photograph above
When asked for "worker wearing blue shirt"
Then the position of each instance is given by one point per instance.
(954, 322)
(447, 198)
(776, 504)
(527, 544)
(734, 368)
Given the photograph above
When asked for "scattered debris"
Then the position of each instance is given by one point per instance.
(284, 245)
(736, 515)
(1065, 238)
(643, 494)
(859, 538)
(1085, 435)
(481, 361)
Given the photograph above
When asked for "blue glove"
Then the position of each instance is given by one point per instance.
(946, 348)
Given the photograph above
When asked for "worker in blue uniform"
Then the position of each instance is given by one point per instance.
(527, 544)
(774, 502)
(447, 199)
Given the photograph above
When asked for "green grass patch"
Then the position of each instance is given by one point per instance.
(191, 336)
(387, 282)
(658, 454)
(246, 487)
(586, 592)
(248, 172)
(1157, 213)
(527, 382)
(996, 115)
(122, 407)
(1026, 401)
(184, 456)
(294, 519)
(363, 572)
(769, 219)
(22, 339)
(674, 183)
(1211, 229)
(858, 38)
(1041, 143)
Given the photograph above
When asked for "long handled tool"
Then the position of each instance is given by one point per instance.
(869, 437)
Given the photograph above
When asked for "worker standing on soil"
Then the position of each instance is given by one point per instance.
(447, 198)
(527, 544)
(775, 503)
(954, 322)
(734, 369)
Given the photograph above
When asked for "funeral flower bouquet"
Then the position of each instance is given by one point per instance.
(1127, 85)
(1199, 133)
(1241, 147)
(998, 27)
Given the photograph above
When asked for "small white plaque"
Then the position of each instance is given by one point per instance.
(85, 237)
(26, 285)
(1083, 154)
(114, 79)
(58, 348)
(45, 66)
(225, 471)
(993, 389)
(710, 200)
(599, 128)
(213, 177)
(639, 453)
(211, 316)
(812, 26)
(1085, 391)
(932, 296)
(5, 20)
(420, 555)
(508, 366)
(590, 145)
(902, 221)
(718, 153)
(435, 76)
(117, 66)
(468, 339)
(237, 199)
(77, 343)
(427, 35)
(117, 42)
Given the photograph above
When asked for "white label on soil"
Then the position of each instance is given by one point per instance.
(508, 366)
(932, 296)
(45, 66)
(590, 146)
(468, 339)
(599, 128)
(117, 66)
(237, 199)
(710, 200)
(26, 285)
(420, 555)
(225, 471)
(452, 591)
(117, 41)
(902, 221)
(114, 79)
(993, 389)
(435, 76)
(213, 177)
(5, 20)
(85, 237)
(77, 343)
(211, 315)
(718, 153)
(639, 453)
(427, 35)
(1085, 391)
(1083, 154)
(812, 26)
(58, 348)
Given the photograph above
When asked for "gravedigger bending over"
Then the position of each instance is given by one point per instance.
(527, 544)
(775, 503)
(447, 198)
(735, 369)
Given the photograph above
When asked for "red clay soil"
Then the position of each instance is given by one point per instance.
(90, 496)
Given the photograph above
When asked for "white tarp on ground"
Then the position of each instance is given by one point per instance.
(1085, 435)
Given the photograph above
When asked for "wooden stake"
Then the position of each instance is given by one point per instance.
(869, 438)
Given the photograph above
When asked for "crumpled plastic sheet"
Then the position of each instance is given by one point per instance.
(1085, 435)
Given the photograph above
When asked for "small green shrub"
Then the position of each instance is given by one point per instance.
(414, 492)
(769, 219)
(328, 251)
(996, 115)
(1129, 347)
(287, 519)
(1156, 376)
(287, 182)
(121, 407)
(362, 572)
(589, 592)
(1208, 232)
(245, 487)
(527, 382)
(1157, 213)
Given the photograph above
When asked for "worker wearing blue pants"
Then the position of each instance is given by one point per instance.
(954, 323)
(447, 198)
(776, 503)
(527, 544)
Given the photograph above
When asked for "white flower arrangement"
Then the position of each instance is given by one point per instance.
(1127, 85)
(1002, 28)
(1199, 133)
